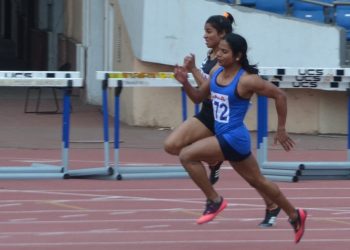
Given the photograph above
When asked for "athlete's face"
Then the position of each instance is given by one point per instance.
(211, 36)
(225, 54)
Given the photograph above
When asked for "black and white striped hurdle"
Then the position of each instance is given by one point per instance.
(328, 79)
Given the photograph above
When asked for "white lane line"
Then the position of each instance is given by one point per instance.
(341, 213)
(89, 232)
(176, 242)
(174, 220)
(160, 229)
(127, 210)
(50, 233)
(10, 205)
(23, 220)
(176, 189)
(173, 200)
(74, 215)
(104, 230)
(156, 226)
(124, 212)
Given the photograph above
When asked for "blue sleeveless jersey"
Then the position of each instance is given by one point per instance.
(229, 112)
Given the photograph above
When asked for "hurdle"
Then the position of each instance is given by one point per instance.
(327, 79)
(117, 81)
(106, 169)
(58, 79)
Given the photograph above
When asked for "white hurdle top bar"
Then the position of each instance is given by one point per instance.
(336, 79)
(141, 79)
(40, 79)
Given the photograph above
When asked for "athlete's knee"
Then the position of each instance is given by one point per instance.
(171, 147)
(185, 156)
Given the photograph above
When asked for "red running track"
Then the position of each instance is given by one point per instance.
(159, 214)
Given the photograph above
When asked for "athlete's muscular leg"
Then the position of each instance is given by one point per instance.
(207, 149)
(188, 132)
(250, 171)
(270, 205)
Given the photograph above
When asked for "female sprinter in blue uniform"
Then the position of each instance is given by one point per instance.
(231, 88)
(202, 124)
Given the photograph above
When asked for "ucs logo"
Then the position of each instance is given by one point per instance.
(18, 75)
(302, 84)
(308, 78)
(310, 72)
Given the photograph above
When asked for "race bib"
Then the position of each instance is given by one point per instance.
(220, 107)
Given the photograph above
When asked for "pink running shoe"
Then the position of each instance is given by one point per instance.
(299, 224)
(212, 209)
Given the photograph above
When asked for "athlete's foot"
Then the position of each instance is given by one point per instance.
(298, 224)
(212, 209)
(214, 172)
(270, 217)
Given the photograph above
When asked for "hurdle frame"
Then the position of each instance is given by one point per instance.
(117, 81)
(331, 79)
(59, 79)
(106, 169)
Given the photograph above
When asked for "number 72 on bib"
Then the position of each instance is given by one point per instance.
(220, 107)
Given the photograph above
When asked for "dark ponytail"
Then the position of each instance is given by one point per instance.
(222, 23)
(239, 45)
(251, 69)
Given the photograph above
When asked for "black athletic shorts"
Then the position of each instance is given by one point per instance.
(206, 115)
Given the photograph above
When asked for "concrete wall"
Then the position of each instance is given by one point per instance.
(142, 107)
(85, 24)
(73, 27)
(163, 31)
(153, 32)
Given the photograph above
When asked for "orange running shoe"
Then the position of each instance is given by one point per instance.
(299, 224)
(212, 209)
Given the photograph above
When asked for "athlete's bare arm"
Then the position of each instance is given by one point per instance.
(250, 84)
(190, 64)
(197, 95)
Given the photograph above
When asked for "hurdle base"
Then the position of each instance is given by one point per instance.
(279, 172)
(146, 171)
(147, 176)
(331, 165)
(323, 172)
(32, 176)
(150, 169)
(324, 177)
(87, 172)
(282, 178)
(31, 169)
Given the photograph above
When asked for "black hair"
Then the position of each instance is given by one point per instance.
(238, 44)
(222, 23)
